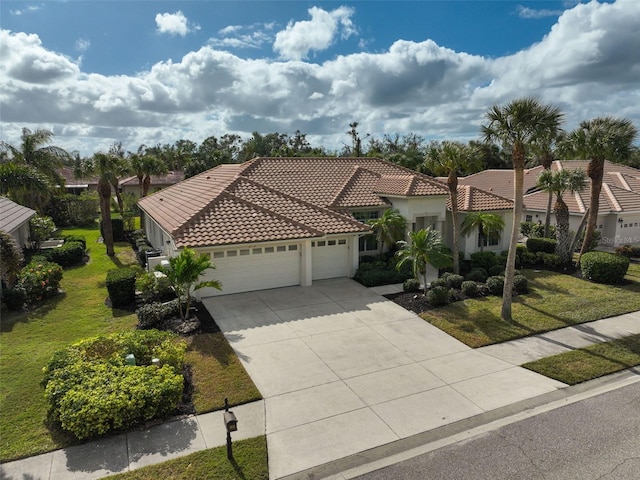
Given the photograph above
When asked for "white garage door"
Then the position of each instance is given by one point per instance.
(257, 268)
(330, 258)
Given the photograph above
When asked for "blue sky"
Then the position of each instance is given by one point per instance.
(152, 72)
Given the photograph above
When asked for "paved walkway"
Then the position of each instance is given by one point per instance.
(343, 371)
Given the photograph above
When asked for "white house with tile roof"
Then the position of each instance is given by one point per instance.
(14, 220)
(619, 208)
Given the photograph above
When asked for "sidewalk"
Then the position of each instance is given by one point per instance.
(138, 448)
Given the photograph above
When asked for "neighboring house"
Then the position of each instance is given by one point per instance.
(273, 222)
(14, 219)
(472, 199)
(77, 185)
(158, 182)
(619, 211)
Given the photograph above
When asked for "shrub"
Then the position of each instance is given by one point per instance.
(546, 245)
(520, 284)
(77, 239)
(484, 260)
(121, 285)
(495, 285)
(529, 258)
(453, 280)
(39, 280)
(549, 260)
(91, 390)
(14, 298)
(438, 296)
(40, 229)
(380, 272)
(629, 251)
(70, 253)
(470, 288)
(117, 225)
(496, 270)
(153, 314)
(604, 267)
(411, 285)
(477, 275)
(525, 228)
(142, 253)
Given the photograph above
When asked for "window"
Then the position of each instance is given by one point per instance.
(322, 243)
(232, 253)
(365, 215)
(528, 218)
(281, 248)
(368, 243)
(257, 251)
(293, 248)
(244, 251)
(331, 242)
(342, 242)
(268, 250)
(218, 254)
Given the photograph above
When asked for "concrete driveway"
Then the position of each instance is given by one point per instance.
(344, 370)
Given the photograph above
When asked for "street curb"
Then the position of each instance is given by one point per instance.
(404, 449)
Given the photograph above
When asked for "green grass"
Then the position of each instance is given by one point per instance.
(591, 362)
(27, 341)
(554, 301)
(250, 463)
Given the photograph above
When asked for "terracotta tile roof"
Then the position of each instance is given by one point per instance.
(269, 199)
(13, 215)
(70, 180)
(410, 186)
(471, 199)
(170, 178)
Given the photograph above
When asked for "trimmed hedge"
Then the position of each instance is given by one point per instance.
(92, 391)
(121, 285)
(495, 285)
(76, 238)
(629, 251)
(438, 296)
(520, 284)
(546, 245)
(453, 280)
(484, 260)
(549, 260)
(117, 226)
(604, 267)
(411, 285)
(153, 314)
(470, 288)
(379, 272)
(477, 275)
(67, 255)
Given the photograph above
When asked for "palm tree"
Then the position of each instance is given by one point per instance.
(36, 155)
(16, 179)
(518, 125)
(145, 165)
(450, 158)
(183, 272)
(425, 248)
(599, 139)
(106, 167)
(389, 228)
(488, 225)
(558, 183)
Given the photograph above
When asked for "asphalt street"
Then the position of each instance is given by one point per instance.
(596, 438)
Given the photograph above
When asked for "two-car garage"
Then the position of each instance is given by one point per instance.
(258, 267)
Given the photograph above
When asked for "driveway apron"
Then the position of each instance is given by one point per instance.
(343, 370)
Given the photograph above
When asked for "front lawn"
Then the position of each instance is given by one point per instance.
(590, 362)
(554, 301)
(27, 341)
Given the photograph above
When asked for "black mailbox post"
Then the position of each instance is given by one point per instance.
(231, 425)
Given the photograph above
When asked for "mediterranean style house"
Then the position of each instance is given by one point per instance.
(276, 221)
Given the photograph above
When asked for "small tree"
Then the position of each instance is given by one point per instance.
(426, 248)
(183, 273)
(389, 228)
(12, 258)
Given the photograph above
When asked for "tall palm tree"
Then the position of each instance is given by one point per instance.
(517, 125)
(425, 248)
(36, 155)
(558, 183)
(488, 225)
(599, 139)
(183, 273)
(15, 179)
(106, 167)
(452, 158)
(144, 165)
(389, 228)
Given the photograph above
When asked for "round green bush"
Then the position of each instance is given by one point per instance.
(546, 245)
(121, 285)
(470, 288)
(484, 260)
(39, 280)
(91, 390)
(520, 284)
(453, 280)
(496, 270)
(604, 267)
(411, 285)
(477, 275)
(438, 282)
(529, 258)
(438, 296)
(495, 285)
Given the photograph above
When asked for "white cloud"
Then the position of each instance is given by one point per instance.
(588, 64)
(27, 9)
(526, 12)
(174, 24)
(319, 33)
(82, 45)
(237, 36)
